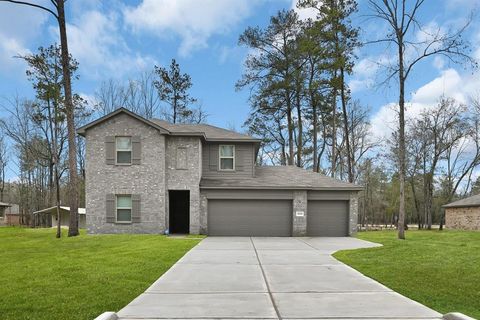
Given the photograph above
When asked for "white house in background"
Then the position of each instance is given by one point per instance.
(64, 216)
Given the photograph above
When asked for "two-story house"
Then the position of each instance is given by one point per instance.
(150, 176)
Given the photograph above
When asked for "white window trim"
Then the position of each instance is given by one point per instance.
(220, 157)
(116, 151)
(116, 208)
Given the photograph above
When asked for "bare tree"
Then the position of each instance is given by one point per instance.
(438, 129)
(59, 14)
(401, 18)
(462, 158)
(360, 143)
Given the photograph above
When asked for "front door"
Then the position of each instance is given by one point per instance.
(179, 211)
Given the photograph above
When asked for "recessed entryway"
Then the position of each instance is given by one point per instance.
(179, 211)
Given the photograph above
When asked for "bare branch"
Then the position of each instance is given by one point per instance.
(32, 5)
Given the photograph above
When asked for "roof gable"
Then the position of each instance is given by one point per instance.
(81, 131)
(207, 131)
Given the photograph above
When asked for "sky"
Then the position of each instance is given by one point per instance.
(120, 39)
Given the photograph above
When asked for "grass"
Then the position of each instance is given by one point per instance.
(440, 269)
(79, 278)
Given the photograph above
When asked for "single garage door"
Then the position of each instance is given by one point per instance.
(249, 217)
(327, 218)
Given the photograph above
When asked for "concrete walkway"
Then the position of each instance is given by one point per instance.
(270, 278)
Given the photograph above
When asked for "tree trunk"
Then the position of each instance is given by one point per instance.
(300, 128)
(334, 131)
(401, 142)
(345, 126)
(315, 134)
(428, 201)
(70, 118)
(290, 130)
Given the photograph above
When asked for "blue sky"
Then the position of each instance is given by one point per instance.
(119, 39)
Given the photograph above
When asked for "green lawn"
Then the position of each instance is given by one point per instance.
(440, 269)
(78, 278)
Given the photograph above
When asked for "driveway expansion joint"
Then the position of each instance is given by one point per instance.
(266, 281)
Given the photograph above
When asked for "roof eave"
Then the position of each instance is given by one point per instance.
(284, 188)
(233, 140)
(447, 206)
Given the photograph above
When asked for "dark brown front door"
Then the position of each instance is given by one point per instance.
(179, 211)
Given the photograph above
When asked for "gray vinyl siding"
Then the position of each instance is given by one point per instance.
(328, 195)
(248, 194)
(244, 160)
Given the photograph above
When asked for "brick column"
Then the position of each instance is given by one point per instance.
(299, 228)
(353, 213)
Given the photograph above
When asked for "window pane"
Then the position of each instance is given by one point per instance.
(226, 164)
(124, 157)
(124, 201)
(226, 151)
(124, 143)
(124, 215)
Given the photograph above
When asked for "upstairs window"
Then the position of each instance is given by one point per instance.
(124, 209)
(227, 157)
(123, 150)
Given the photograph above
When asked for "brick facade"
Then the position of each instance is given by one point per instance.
(463, 218)
(188, 151)
(146, 179)
(165, 162)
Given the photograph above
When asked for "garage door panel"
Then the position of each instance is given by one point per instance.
(327, 218)
(249, 217)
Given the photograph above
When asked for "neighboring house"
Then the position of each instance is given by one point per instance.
(150, 176)
(463, 214)
(9, 214)
(3, 207)
(64, 216)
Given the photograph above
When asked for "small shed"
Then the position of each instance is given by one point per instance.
(64, 215)
(463, 214)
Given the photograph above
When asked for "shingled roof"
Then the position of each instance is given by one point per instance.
(211, 133)
(205, 131)
(280, 177)
(473, 201)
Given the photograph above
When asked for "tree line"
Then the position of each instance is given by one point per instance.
(41, 130)
(297, 72)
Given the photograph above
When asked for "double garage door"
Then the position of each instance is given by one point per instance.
(248, 217)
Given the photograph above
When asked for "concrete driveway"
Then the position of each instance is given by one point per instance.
(270, 278)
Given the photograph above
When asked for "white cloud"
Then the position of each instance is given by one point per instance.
(439, 62)
(449, 83)
(195, 22)
(19, 25)
(303, 13)
(227, 53)
(9, 49)
(97, 43)
(366, 71)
